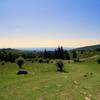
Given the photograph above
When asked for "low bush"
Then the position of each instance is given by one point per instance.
(32, 61)
(40, 60)
(20, 62)
(51, 61)
(3, 63)
(36, 59)
(60, 66)
(98, 60)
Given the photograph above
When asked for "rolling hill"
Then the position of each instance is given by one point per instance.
(92, 47)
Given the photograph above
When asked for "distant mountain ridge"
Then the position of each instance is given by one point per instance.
(41, 49)
(91, 47)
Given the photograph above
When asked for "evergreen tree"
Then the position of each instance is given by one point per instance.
(13, 58)
(45, 54)
(9, 56)
(0, 55)
(66, 55)
(59, 53)
(74, 55)
(24, 55)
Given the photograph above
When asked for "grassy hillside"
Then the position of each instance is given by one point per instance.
(92, 51)
(44, 83)
(92, 47)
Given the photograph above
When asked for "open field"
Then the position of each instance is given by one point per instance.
(44, 83)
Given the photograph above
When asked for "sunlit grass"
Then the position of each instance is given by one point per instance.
(43, 82)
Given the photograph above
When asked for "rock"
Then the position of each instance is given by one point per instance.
(90, 95)
(75, 82)
(21, 72)
(65, 76)
(87, 98)
(59, 85)
(83, 92)
(76, 86)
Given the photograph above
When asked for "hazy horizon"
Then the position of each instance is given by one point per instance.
(21, 48)
(49, 23)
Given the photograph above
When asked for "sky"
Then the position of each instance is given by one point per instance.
(49, 23)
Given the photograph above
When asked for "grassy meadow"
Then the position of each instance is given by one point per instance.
(81, 81)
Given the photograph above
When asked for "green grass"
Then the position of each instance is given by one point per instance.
(44, 83)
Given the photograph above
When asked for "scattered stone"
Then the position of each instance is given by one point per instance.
(75, 82)
(41, 98)
(65, 76)
(85, 87)
(83, 92)
(90, 95)
(45, 86)
(76, 86)
(59, 85)
(89, 74)
(87, 98)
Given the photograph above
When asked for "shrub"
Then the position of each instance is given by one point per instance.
(3, 63)
(98, 60)
(20, 62)
(51, 61)
(32, 61)
(40, 60)
(60, 66)
(68, 61)
(36, 59)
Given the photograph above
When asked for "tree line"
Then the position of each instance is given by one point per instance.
(58, 53)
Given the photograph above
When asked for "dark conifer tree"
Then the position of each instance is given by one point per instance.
(45, 55)
(9, 56)
(67, 55)
(74, 55)
(2, 56)
(59, 53)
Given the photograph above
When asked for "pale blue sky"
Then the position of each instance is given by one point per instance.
(48, 23)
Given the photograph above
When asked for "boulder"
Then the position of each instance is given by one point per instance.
(22, 72)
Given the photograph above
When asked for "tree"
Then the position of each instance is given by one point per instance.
(9, 56)
(34, 55)
(45, 56)
(20, 62)
(13, 57)
(98, 60)
(59, 53)
(62, 53)
(24, 55)
(2, 56)
(74, 55)
(67, 55)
